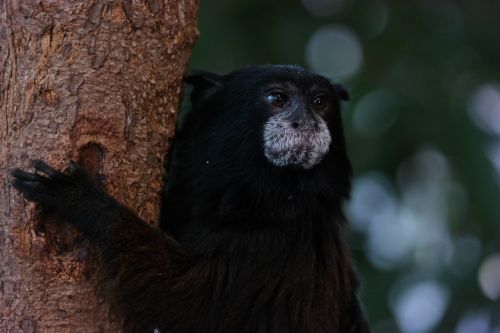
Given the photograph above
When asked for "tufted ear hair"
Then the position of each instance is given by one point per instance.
(341, 92)
(204, 84)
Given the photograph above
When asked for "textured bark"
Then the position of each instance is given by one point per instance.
(93, 81)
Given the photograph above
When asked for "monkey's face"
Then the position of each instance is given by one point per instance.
(296, 133)
(293, 113)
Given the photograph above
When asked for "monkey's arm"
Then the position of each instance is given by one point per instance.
(140, 262)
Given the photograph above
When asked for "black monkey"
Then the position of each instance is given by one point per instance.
(252, 213)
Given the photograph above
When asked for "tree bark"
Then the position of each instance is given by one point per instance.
(94, 81)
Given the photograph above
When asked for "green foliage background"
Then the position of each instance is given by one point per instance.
(432, 57)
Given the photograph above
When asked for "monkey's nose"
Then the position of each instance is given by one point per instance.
(301, 120)
(303, 124)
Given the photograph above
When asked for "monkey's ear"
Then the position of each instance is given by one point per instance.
(341, 92)
(204, 84)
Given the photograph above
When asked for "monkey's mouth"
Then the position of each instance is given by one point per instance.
(287, 146)
(300, 155)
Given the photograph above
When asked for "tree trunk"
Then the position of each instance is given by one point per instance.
(94, 81)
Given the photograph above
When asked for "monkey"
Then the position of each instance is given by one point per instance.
(251, 221)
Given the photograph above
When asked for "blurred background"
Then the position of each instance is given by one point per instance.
(423, 131)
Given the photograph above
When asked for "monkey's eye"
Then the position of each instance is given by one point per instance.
(277, 99)
(320, 102)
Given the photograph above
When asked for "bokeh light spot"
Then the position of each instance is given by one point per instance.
(493, 153)
(489, 277)
(371, 198)
(419, 308)
(484, 108)
(335, 51)
(474, 322)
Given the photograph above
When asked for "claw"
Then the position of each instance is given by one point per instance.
(45, 168)
(25, 182)
(20, 174)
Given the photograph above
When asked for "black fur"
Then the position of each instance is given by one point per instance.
(255, 247)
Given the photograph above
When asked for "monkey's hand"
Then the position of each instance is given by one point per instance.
(140, 261)
(72, 195)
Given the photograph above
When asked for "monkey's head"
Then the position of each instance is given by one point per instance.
(296, 132)
(277, 115)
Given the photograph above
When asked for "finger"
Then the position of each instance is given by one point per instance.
(45, 168)
(26, 187)
(23, 175)
(31, 191)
